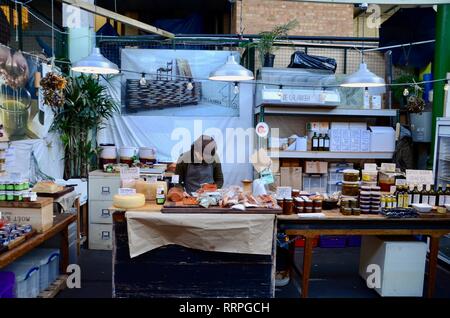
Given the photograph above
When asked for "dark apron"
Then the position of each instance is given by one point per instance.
(196, 175)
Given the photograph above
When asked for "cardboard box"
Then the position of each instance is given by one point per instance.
(382, 139)
(318, 126)
(319, 167)
(38, 214)
(290, 162)
(291, 177)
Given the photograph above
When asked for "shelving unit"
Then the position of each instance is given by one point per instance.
(272, 109)
(331, 155)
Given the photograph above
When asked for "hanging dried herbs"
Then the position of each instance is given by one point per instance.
(53, 89)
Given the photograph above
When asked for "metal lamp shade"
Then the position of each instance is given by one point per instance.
(95, 63)
(363, 78)
(231, 71)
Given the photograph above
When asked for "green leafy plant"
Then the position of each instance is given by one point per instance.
(86, 105)
(265, 44)
(398, 90)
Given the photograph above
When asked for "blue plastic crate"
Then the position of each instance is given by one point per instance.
(333, 241)
(354, 240)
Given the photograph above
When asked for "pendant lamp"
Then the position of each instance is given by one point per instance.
(231, 71)
(363, 77)
(95, 63)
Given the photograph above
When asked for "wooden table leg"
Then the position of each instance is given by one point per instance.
(64, 261)
(85, 220)
(77, 207)
(432, 265)
(307, 262)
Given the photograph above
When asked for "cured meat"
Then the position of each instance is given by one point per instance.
(175, 194)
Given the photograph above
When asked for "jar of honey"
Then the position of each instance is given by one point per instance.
(288, 207)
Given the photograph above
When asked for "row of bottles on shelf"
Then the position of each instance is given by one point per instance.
(404, 197)
(320, 143)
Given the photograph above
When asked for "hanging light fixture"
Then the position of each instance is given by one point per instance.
(363, 77)
(231, 71)
(95, 63)
(236, 88)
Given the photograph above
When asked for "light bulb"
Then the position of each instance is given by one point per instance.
(143, 81)
(280, 90)
(446, 86)
(189, 86)
(236, 88)
(405, 92)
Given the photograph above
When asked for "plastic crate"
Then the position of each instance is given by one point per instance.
(47, 259)
(354, 240)
(313, 183)
(301, 242)
(27, 279)
(334, 187)
(332, 241)
(7, 280)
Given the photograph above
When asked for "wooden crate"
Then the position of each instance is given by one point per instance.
(38, 214)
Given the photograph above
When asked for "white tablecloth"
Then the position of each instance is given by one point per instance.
(233, 233)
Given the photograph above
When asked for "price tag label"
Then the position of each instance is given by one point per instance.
(284, 192)
(127, 191)
(175, 178)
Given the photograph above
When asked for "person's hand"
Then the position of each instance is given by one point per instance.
(5, 55)
(20, 70)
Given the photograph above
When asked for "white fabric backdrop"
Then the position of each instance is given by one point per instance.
(156, 131)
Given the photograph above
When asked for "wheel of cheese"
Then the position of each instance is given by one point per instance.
(129, 201)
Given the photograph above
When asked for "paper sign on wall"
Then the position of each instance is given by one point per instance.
(419, 177)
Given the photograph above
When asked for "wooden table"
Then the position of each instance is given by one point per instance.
(335, 223)
(60, 226)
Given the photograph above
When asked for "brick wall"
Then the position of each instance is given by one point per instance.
(315, 19)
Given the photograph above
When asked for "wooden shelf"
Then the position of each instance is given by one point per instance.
(331, 155)
(60, 223)
(311, 111)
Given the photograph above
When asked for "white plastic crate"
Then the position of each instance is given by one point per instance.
(47, 259)
(334, 187)
(313, 183)
(27, 279)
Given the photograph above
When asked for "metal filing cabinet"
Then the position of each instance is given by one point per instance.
(102, 187)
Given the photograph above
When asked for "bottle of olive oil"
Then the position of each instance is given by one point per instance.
(315, 142)
(416, 194)
(447, 194)
(432, 196)
(424, 194)
(440, 196)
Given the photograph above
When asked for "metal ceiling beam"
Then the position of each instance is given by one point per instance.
(118, 17)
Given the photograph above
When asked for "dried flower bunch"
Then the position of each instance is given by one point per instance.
(53, 89)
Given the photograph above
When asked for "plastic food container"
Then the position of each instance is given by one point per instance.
(350, 188)
(27, 279)
(351, 175)
(422, 207)
(7, 285)
(346, 211)
(369, 176)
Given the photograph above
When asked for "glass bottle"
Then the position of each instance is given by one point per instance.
(321, 143)
(326, 143)
(424, 194)
(447, 194)
(416, 195)
(315, 142)
(440, 199)
(432, 196)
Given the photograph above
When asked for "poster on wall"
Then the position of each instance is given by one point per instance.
(175, 83)
(22, 113)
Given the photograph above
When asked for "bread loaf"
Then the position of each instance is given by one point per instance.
(175, 194)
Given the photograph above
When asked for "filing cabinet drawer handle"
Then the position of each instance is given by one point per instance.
(106, 190)
(106, 235)
(106, 213)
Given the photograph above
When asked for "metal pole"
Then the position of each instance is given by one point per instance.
(441, 65)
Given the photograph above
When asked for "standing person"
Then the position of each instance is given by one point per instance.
(200, 165)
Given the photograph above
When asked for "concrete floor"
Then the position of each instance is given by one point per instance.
(334, 275)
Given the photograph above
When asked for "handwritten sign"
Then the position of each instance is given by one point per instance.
(419, 177)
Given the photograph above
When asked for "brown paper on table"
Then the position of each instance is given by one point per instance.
(232, 233)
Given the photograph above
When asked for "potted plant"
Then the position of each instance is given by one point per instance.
(267, 39)
(408, 96)
(79, 113)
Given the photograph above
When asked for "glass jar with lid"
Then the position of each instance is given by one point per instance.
(351, 175)
(350, 188)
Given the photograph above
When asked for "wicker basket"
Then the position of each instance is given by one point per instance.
(160, 94)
